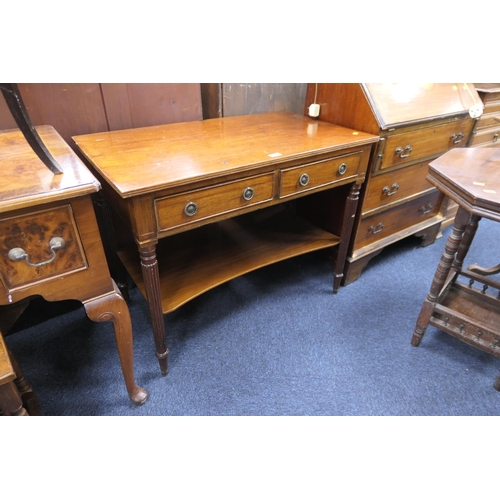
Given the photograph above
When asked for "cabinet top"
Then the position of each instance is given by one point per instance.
(148, 159)
(27, 182)
(401, 103)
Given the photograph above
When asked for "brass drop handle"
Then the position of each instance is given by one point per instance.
(17, 254)
(191, 208)
(456, 138)
(304, 180)
(389, 191)
(426, 209)
(377, 229)
(399, 151)
(248, 193)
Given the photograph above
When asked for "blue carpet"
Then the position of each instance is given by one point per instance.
(277, 342)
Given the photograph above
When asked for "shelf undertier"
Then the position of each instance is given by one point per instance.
(195, 261)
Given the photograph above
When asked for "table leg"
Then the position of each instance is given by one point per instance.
(151, 275)
(447, 259)
(10, 401)
(345, 235)
(112, 307)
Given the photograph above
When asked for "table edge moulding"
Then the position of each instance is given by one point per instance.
(207, 201)
(50, 245)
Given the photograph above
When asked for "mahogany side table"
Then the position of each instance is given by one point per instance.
(207, 201)
(465, 303)
(50, 244)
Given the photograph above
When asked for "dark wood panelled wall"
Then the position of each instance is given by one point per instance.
(83, 108)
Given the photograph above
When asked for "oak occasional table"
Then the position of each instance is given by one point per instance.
(465, 302)
(50, 244)
(211, 200)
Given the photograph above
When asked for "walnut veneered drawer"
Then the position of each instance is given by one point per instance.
(39, 246)
(381, 225)
(192, 206)
(319, 174)
(489, 137)
(395, 185)
(411, 146)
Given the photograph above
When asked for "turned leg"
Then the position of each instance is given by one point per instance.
(466, 242)
(345, 235)
(151, 277)
(10, 401)
(112, 307)
(447, 258)
(29, 398)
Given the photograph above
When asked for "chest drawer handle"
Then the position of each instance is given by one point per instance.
(399, 151)
(191, 208)
(389, 191)
(495, 137)
(375, 230)
(426, 209)
(17, 254)
(248, 193)
(456, 138)
(304, 180)
(342, 169)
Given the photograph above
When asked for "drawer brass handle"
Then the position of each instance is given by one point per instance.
(17, 254)
(248, 193)
(426, 209)
(342, 169)
(375, 230)
(304, 180)
(495, 137)
(191, 208)
(399, 151)
(456, 138)
(389, 191)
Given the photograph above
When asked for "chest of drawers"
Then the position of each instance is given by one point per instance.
(50, 245)
(486, 130)
(415, 123)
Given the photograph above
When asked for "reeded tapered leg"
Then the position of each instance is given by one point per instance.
(112, 307)
(447, 258)
(345, 235)
(151, 276)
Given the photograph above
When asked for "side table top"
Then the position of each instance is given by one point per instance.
(148, 159)
(471, 178)
(26, 181)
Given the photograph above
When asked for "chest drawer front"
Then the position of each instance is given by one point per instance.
(396, 185)
(489, 137)
(381, 225)
(39, 246)
(492, 107)
(192, 206)
(488, 121)
(418, 144)
(319, 174)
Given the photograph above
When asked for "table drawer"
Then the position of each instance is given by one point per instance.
(389, 222)
(396, 185)
(39, 246)
(192, 206)
(488, 137)
(316, 175)
(418, 144)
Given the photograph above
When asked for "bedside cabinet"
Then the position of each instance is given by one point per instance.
(416, 123)
(50, 245)
(487, 127)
